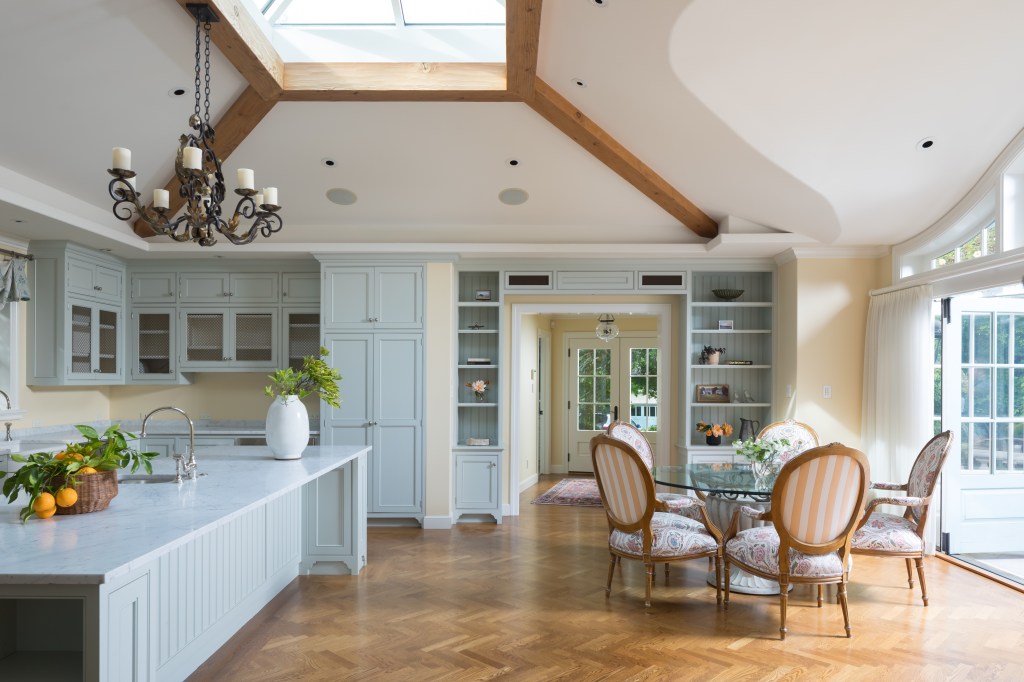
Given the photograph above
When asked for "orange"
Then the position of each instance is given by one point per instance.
(60, 455)
(44, 502)
(87, 470)
(46, 513)
(76, 456)
(66, 497)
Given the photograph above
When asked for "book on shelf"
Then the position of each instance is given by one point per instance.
(478, 441)
(740, 362)
(478, 361)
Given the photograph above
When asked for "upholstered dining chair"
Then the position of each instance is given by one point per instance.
(801, 437)
(667, 502)
(881, 534)
(635, 529)
(816, 504)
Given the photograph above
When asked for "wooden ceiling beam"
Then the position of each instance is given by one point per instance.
(561, 113)
(394, 82)
(240, 119)
(522, 37)
(239, 38)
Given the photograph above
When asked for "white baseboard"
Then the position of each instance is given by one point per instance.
(437, 523)
(524, 484)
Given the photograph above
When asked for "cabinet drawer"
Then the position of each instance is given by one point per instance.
(154, 287)
(600, 280)
(300, 287)
(254, 287)
(203, 287)
(94, 280)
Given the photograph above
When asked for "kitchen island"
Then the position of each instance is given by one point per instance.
(149, 588)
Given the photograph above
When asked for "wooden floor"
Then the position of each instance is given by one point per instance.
(525, 601)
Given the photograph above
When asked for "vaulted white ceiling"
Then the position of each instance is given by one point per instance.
(800, 116)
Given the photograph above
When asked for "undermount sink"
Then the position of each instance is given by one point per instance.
(146, 478)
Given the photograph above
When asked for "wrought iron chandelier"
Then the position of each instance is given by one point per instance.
(606, 329)
(200, 176)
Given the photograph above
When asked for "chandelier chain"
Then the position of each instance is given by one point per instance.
(206, 65)
(198, 79)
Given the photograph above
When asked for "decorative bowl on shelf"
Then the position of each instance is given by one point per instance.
(727, 294)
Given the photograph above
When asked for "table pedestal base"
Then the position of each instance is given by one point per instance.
(747, 583)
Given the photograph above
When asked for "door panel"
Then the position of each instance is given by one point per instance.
(352, 355)
(983, 402)
(395, 472)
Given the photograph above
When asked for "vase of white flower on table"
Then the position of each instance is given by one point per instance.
(764, 458)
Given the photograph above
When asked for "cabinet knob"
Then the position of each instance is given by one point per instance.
(96, 371)
(98, 288)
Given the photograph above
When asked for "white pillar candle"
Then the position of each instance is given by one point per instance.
(258, 198)
(161, 198)
(270, 196)
(131, 182)
(192, 157)
(246, 178)
(122, 158)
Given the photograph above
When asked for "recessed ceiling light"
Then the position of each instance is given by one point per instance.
(341, 196)
(513, 196)
(328, 162)
(18, 220)
(512, 162)
(176, 92)
(926, 143)
(579, 82)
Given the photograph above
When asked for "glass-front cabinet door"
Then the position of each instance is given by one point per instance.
(229, 339)
(152, 332)
(95, 348)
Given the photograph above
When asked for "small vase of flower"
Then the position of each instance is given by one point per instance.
(478, 386)
(713, 432)
(764, 458)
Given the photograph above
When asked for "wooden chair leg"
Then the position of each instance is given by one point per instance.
(920, 576)
(718, 578)
(910, 573)
(846, 608)
(666, 573)
(725, 579)
(821, 594)
(650, 579)
(783, 598)
(611, 572)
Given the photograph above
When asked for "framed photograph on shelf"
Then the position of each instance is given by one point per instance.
(712, 393)
(483, 295)
(725, 325)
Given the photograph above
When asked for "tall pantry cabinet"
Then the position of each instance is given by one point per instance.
(373, 330)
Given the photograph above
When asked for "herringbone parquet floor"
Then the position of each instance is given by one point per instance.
(525, 601)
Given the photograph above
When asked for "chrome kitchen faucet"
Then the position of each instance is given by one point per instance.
(188, 467)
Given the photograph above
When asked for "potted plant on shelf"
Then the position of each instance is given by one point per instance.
(710, 355)
(81, 478)
(287, 417)
(764, 457)
(713, 432)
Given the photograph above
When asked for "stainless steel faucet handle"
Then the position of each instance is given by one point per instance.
(177, 466)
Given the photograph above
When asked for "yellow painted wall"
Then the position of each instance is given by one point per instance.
(831, 317)
(209, 396)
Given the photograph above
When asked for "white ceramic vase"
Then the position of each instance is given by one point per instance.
(287, 427)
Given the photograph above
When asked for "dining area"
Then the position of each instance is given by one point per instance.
(795, 514)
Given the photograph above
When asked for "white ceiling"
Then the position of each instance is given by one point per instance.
(800, 116)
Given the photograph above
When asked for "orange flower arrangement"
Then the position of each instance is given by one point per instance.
(714, 429)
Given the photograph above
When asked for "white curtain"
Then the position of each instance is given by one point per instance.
(898, 383)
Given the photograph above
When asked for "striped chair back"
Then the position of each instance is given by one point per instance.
(801, 437)
(925, 471)
(628, 433)
(625, 483)
(818, 497)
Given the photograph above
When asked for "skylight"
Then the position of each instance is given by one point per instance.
(385, 30)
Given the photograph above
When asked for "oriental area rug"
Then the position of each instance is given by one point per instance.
(572, 492)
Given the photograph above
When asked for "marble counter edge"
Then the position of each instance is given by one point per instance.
(188, 535)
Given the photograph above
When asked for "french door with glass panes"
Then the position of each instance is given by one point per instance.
(605, 381)
(983, 402)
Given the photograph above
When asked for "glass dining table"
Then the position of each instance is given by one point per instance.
(725, 487)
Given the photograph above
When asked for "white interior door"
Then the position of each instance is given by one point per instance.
(983, 402)
(609, 380)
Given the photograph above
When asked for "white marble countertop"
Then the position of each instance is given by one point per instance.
(145, 521)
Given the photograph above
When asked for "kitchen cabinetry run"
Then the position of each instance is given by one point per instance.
(246, 288)
(743, 326)
(366, 298)
(478, 448)
(76, 317)
(215, 338)
(383, 408)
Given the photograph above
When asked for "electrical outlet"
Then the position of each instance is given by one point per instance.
(826, 391)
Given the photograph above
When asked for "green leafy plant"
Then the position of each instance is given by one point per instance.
(708, 352)
(315, 378)
(47, 472)
(761, 450)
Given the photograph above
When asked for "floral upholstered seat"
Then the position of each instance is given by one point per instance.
(801, 437)
(882, 534)
(670, 502)
(635, 529)
(816, 503)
